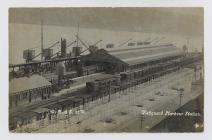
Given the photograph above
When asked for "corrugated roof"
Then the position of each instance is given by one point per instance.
(27, 83)
(102, 56)
(139, 55)
(146, 58)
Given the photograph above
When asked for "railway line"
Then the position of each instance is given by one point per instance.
(123, 86)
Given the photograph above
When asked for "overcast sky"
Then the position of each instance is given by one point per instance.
(180, 21)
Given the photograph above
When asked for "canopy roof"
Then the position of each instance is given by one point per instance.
(131, 56)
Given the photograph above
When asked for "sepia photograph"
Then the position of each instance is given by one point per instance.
(106, 70)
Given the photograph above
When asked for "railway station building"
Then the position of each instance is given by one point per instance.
(119, 60)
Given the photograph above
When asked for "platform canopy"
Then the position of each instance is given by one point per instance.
(140, 55)
(132, 56)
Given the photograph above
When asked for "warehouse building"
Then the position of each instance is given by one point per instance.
(28, 89)
(118, 60)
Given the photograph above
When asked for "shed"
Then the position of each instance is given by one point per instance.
(121, 59)
(27, 83)
(144, 54)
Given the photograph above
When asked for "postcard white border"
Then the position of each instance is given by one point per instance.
(207, 4)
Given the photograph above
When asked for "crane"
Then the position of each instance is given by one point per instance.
(53, 45)
(88, 47)
(97, 43)
(120, 45)
(73, 42)
(154, 39)
(158, 40)
(148, 39)
(91, 48)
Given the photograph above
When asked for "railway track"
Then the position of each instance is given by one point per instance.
(54, 100)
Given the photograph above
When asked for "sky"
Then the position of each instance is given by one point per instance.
(182, 21)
